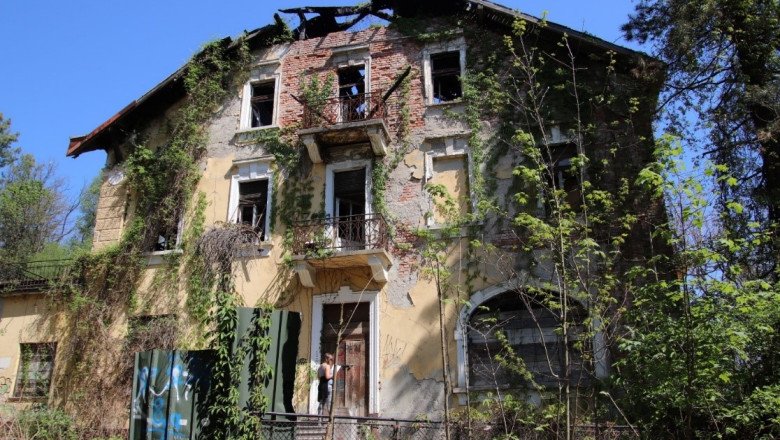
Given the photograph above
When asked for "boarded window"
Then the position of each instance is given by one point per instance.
(445, 76)
(33, 378)
(252, 206)
(262, 103)
(451, 173)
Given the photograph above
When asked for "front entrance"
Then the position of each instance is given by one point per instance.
(347, 325)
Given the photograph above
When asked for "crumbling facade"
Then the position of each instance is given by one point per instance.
(374, 119)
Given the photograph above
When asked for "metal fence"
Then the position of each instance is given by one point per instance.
(310, 427)
(32, 275)
(353, 232)
(343, 109)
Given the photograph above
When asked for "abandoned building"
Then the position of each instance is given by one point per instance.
(358, 161)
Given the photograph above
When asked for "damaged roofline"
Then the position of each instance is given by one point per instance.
(170, 89)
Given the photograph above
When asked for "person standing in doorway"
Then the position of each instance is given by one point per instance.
(325, 386)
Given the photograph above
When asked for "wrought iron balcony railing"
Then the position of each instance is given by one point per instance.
(32, 275)
(347, 233)
(344, 109)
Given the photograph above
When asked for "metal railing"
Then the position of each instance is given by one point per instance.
(344, 109)
(280, 426)
(345, 233)
(32, 275)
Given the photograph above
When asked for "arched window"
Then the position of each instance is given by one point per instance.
(514, 337)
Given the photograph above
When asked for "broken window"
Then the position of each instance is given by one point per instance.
(349, 193)
(352, 89)
(167, 238)
(252, 207)
(33, 377)
(262, 104)
(518, 325)
(445, 76)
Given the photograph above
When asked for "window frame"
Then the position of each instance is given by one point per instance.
(454, 147)
(601, 360)
(252, 170)
(19, 388)
(456, 45)
(262, 72)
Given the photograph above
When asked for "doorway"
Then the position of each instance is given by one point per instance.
(348, 327)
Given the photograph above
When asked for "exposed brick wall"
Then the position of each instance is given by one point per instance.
(390, 52)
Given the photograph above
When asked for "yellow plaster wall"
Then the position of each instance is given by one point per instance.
(451, 173)
(20, 322)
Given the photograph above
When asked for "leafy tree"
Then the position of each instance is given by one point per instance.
(723, 60)
(85, 223)
(701, 353)
(34, 210)
(7, 138)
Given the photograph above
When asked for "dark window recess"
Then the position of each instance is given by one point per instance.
(33, 378)
(445, 76)
(564, 176)
(262, 104)
(352, 89)
(252, 204)
(166, 238)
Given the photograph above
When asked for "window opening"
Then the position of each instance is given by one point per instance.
(252, 205)
(167, 237)
(349, 191)
(36, 363)
(563, 175)
(352, 89)
(508, 325)
(445, 76)
(262, 103)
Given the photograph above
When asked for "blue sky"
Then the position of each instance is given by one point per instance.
(72, 65)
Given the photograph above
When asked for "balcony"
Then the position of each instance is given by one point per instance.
(32, 276)
(339, 243)
(345, 120)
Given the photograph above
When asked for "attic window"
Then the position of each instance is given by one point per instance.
(445, 76)
(262, 104)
